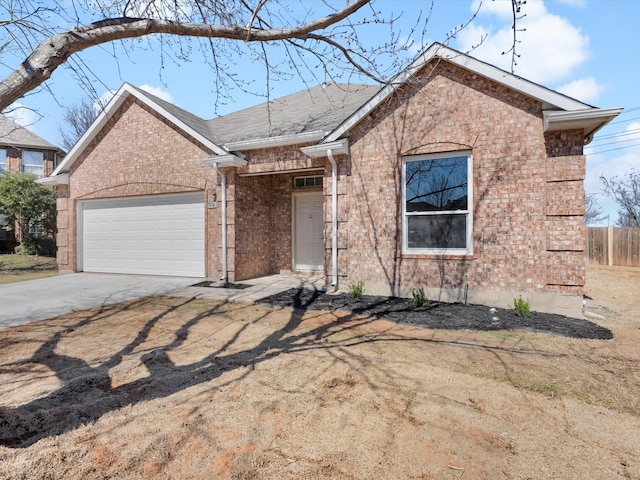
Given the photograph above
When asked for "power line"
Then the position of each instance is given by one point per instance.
(614, 149)
(616, 134)
(624, 121)
(619, 141)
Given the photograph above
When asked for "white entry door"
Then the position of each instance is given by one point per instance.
(308, 232)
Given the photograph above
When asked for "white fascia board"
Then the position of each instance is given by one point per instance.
(338, 147)
(280, 172)
(549, 98)
(590, 120)
(118, 99)
(227, 160)
(270, 142)
(60, 179)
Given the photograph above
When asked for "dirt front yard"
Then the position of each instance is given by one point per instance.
(175, 388)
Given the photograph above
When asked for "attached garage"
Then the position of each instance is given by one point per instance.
(148, 235)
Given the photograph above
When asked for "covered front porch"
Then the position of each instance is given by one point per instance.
(276, 223)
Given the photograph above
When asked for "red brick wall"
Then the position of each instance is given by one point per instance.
(528, 196)
(137, 153)
(263, 223)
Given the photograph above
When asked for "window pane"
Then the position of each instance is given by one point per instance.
(437, 231)
(32, 162)
(32, 158)
(3, 160)
(436, 184)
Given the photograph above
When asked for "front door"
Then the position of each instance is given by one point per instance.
(308, 236)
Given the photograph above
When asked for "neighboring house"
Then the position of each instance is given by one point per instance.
(23, 151)
(457, 176)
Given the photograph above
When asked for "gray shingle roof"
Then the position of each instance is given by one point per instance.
(14, 135)
(320, 108)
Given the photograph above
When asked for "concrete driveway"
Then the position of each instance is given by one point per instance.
(24, 302)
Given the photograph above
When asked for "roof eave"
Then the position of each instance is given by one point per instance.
(60, 179)
(338, 147)
(271, 142)
(589, 120)
(50, 148)
(227, 160)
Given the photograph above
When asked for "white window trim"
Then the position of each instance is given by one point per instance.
(40, 165)
(469, 212)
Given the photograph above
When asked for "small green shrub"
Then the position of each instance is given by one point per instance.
(419, 297)
(356, 289)
(521, 307)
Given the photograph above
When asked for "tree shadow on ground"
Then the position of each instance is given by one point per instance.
(86, 392)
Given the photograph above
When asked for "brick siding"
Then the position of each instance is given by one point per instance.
(528, 196)
(137, 153)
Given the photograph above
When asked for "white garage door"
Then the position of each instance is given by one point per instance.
(151, 235)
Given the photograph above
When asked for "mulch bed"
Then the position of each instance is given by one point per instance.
(450, 316)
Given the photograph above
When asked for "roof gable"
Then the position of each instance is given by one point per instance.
(551, 100)
(182, 119)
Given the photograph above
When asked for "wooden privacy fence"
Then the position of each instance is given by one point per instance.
(618, 246)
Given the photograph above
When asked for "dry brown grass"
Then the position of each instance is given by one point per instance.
(179, 388)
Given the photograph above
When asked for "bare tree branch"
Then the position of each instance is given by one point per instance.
(626, 193)
(56, 50)
(593, 213)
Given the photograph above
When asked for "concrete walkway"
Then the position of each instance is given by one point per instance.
(260, 288)
(24, 302)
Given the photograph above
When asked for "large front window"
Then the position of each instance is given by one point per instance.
(437, 202)
(33, 162)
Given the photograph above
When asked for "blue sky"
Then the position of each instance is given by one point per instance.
(587, 49)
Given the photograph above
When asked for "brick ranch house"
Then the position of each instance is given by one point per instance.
(456, 176)
(23, 151)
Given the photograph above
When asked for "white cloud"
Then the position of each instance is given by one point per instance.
(540, 34)
(585, 89)
(106, 97)
(158, 92)
(22, 115)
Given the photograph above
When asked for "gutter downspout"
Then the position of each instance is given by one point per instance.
(334, 218)
(223, 213)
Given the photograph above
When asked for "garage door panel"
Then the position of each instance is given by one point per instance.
(156, 235)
